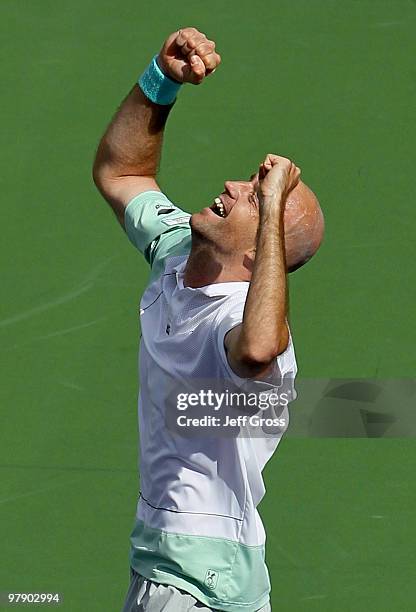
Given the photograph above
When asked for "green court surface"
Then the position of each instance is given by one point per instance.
(329, 83)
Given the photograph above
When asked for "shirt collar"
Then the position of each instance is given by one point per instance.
(213, 290)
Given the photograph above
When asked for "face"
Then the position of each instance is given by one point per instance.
(229, 226)
(230, 223)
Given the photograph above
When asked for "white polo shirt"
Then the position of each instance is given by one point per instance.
(197, 526)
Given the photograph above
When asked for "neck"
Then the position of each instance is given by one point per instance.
(206, 266)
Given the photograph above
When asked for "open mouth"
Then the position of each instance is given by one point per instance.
(218, 208)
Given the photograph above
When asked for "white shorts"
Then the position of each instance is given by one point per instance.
(147, 596)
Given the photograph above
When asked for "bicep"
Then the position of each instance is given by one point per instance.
(120, 191)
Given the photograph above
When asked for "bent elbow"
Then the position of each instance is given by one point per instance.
(99, 173)
(106, 181)
(262, 355)
(95, 176)
(283, 341)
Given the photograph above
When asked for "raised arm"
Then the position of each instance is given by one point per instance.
(253, 346)
(129, 153)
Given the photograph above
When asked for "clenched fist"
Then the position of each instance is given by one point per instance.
(188, 56)
(277, 175)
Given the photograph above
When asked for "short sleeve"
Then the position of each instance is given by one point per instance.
(157, 228)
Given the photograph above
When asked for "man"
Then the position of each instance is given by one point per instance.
(215, 309)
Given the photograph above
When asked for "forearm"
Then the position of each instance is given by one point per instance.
(264, 332)
(131, 146)
(132, 142)
(128, 155)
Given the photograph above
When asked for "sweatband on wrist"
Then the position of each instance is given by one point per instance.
(158, 87)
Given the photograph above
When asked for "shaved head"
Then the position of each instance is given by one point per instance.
(228, 230)
(304, 226)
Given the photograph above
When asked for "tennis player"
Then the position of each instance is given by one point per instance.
(215, 309)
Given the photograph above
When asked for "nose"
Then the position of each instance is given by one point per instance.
(234, 188)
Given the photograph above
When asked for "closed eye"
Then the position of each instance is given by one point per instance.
(253, 201)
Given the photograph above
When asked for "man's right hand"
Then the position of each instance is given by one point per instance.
(188, 56)
(277, 176)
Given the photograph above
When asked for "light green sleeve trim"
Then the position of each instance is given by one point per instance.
(157, 228)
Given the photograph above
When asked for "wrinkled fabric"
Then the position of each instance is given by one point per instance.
(147, 596)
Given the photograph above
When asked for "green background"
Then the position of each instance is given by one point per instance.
(330, 83)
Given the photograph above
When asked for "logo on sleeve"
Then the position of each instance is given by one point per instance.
(176, 221)
(163, 210)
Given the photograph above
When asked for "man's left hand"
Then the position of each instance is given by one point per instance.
(187, 56)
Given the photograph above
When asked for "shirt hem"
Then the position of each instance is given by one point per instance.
(226, 606)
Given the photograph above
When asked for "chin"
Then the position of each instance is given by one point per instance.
(205, 233)
(196, 222)
(202, 222)
(199, 227)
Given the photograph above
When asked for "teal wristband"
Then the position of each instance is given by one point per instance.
(158, 87)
